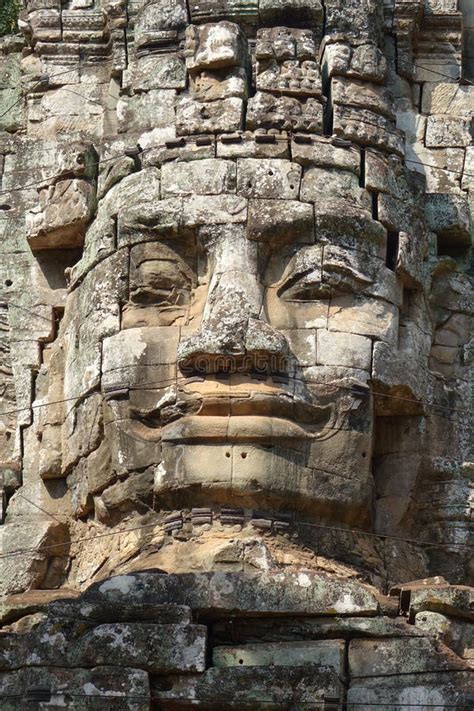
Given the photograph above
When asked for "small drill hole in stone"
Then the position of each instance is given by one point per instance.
(364, 454)
(292, 187)
(244, 455)
(270, 172)
(227, 454)
(241, 661)
(8, 282)
(249, 184)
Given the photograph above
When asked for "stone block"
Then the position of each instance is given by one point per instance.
(365, 316)
(441, 7)
(445, 131)
(327, 653)
(142, 220)
(161, 649)
(320, 152)
(90, 476)
(214, 46)
(302, 344)
(363, 95)
(28, 570)
(11, 105)
(211, 86)
(291, 315)
(367, 128)
(456, 634)
(272, 221)
(190, 149)
(248, 147)
(268, 178)
(366, 61)
(443, 689)
(245, 13)
(256, 631)
(449, 216)
(61, 217)
(159, 22)
(379, 658)
(448, 98)
(78, 689)
(163, 71)
(287, 62)
(348, 18)
(45, 25)
(59, 111)
(455, 600)
(106, 611)
(30, 603)
(284, 113)
(132, 354)
(203, 177)
(263, 593)
(401, 373)
(245, 687)
(214, 210)
(220, 116)
(442, 168)
(349, 227)
(468, 170)
(319, 184)
(146, 111)
(292, 12)
(349, 350)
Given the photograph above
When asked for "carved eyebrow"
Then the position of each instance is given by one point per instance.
(347, 268)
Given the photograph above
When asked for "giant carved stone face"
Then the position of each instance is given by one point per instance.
(247, 336)
(249, 325)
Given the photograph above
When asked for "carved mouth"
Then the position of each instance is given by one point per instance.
(258, 416)
(249, 428)
(212, 411)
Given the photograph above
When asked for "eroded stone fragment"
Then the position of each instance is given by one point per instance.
(266, 593)
(306, 686)
(214, 46)
(78, 688)
(61, 217)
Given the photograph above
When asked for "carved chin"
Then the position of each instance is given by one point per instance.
(262, 474)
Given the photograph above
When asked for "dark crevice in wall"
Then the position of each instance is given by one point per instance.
(375, 206)
(362, 168)
(392, 250)
(328, 113)
(54, 263)
(420, 99)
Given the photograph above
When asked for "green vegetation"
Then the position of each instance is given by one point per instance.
(8, 16)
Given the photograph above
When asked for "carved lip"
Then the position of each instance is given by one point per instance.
(234, 429)
(260, 417)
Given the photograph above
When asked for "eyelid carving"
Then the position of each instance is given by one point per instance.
(320, 279)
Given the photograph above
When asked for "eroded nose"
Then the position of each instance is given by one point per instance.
(234, 335)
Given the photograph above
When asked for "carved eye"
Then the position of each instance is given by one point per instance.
(311, 285)
(304, 286)
(161, 283)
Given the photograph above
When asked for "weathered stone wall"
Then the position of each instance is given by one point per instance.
(236, 344)
(240, 641)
